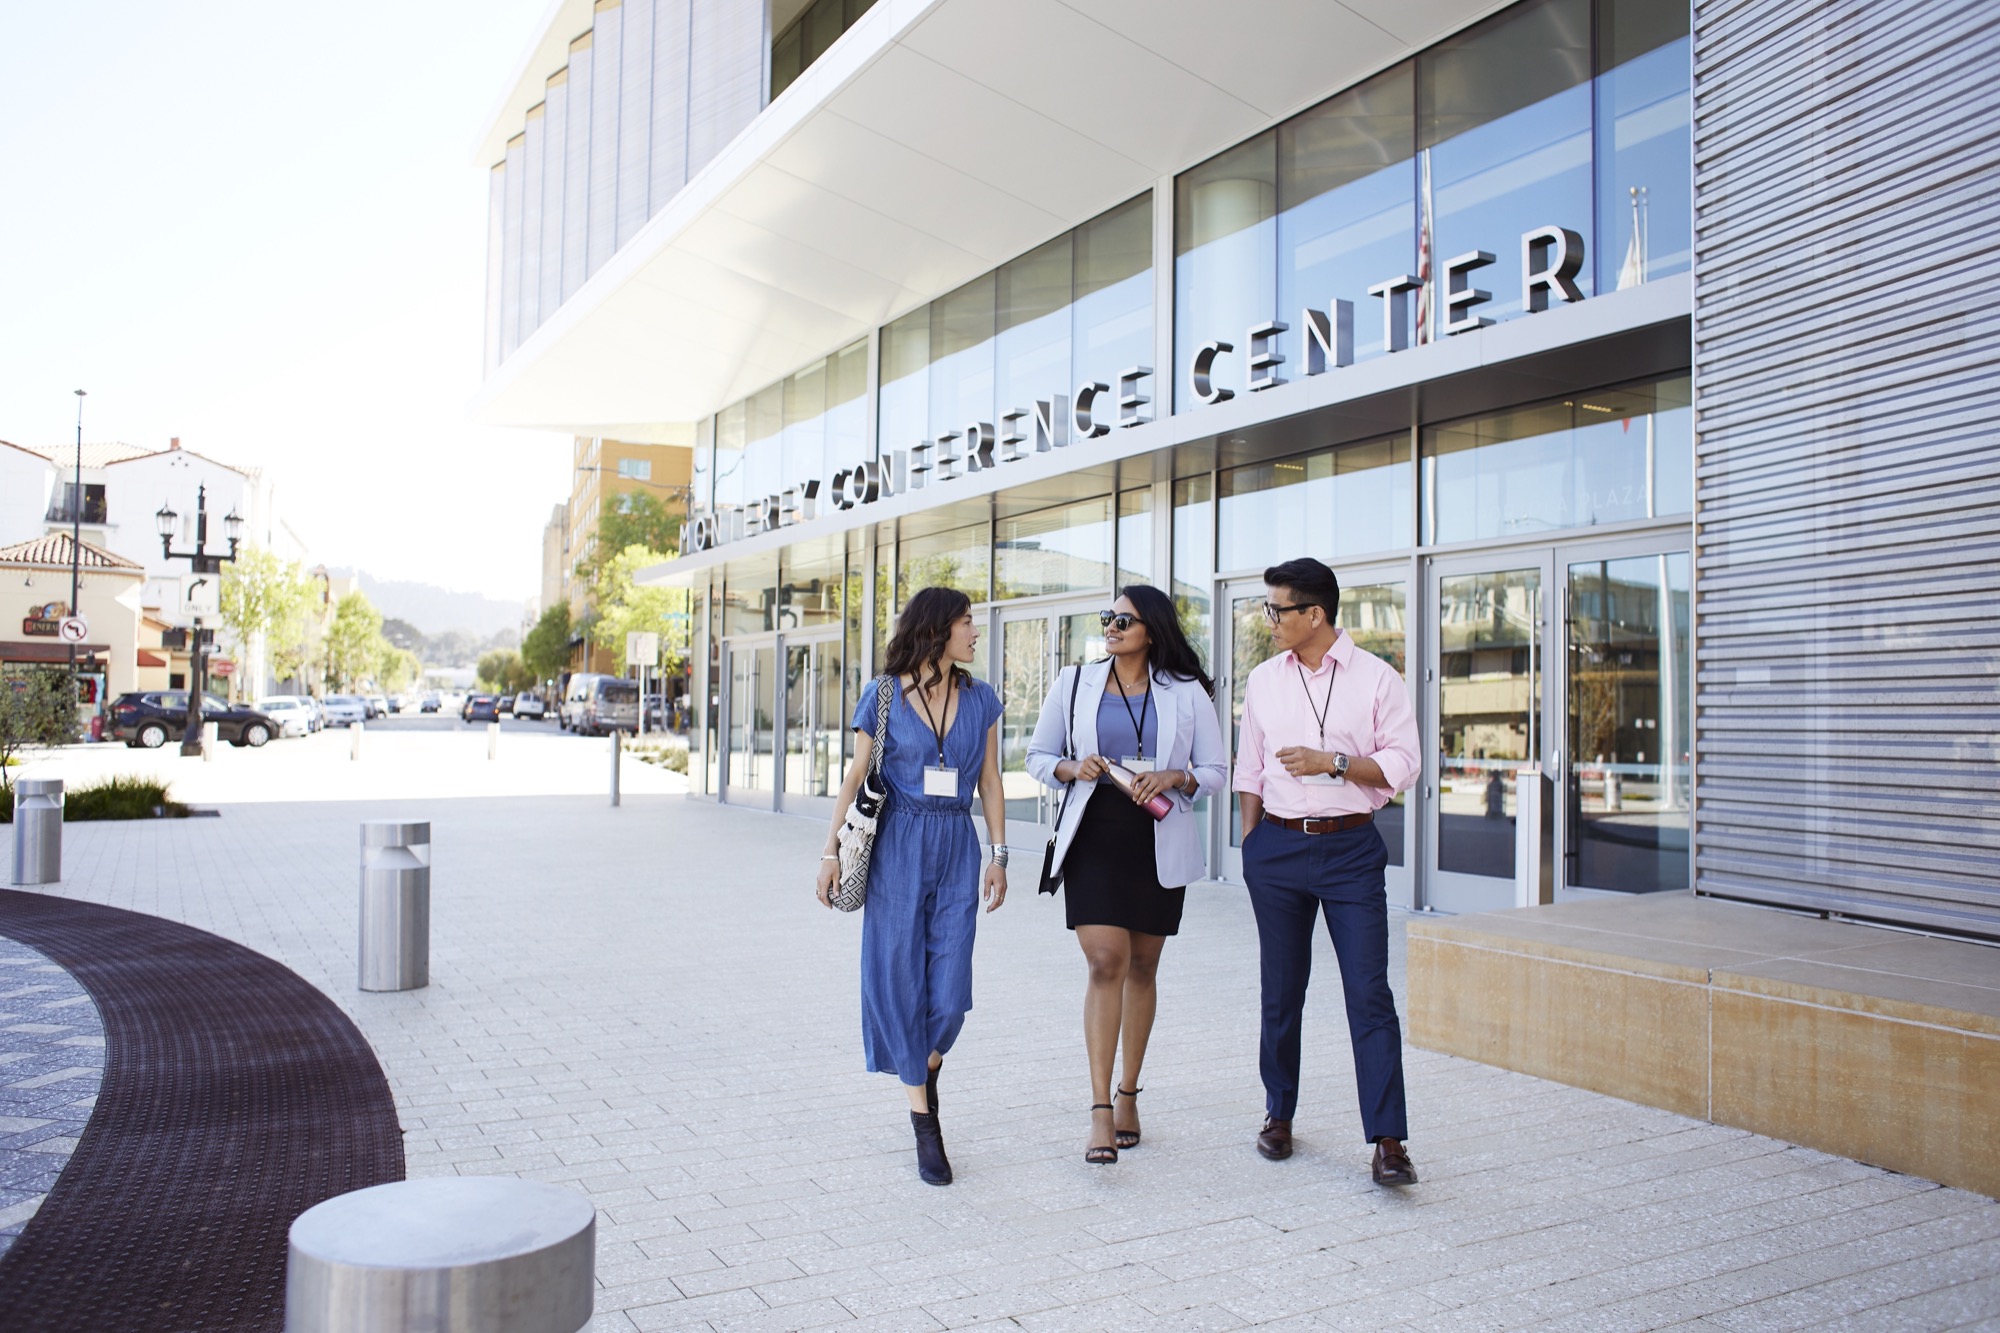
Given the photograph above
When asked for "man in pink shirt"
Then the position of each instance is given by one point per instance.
(1328, 739)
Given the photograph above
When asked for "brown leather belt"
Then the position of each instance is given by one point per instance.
(1322, 823)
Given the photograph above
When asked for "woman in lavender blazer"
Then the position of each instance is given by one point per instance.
(1150, 707)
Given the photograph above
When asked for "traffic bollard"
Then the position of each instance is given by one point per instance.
(211, 736)
(38, 826)
(354, 740)
(395, 904)
(614, 766)
(492, 740)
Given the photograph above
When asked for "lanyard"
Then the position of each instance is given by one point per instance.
(1145, 709)
(936, 730)
(1320, 711)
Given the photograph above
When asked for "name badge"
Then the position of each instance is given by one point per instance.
(1138, 765)
(940, 781)
(1323, 780)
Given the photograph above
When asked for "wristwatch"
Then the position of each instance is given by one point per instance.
(1340, 765)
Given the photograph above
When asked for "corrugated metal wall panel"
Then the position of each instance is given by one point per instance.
(635, 119)
(1847, 378)
(725, 74)
(607, 31)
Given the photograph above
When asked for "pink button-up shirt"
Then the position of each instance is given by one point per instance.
(1369, 716)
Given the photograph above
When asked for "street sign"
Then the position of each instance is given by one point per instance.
(641, 648)
(73, 629)
(201, 594)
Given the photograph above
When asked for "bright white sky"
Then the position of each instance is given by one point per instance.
(258, 227)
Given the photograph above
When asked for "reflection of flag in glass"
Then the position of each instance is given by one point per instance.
(1633, 271)
(1424, 247)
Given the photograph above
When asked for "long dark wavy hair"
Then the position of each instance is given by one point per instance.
(1169, 651)
(922, 631)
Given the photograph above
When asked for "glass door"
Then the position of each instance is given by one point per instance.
(1485, 686)
(1035, 645)
(1626, 692)
(1374, 607)
(750, 676)
(813, 724)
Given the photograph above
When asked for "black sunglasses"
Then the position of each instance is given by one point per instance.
(1275, 611)
(1124, 620)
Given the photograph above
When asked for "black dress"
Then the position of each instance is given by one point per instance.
(1110, 877)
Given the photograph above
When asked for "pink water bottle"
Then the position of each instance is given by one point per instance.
(1159, 807)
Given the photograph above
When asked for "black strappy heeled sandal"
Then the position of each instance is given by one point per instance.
(1104, 1156)
(1127, 1138)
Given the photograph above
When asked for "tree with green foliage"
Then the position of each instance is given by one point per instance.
(265, 594)
(353, 642)
(634, 518)
(501, 672)
(545, 650)
(624, 606)
(37, 707)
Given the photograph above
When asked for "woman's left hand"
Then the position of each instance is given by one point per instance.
(1145, 786)
(995, 891)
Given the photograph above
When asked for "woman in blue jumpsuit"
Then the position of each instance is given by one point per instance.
(924, 883)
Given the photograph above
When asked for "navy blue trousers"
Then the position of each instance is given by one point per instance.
(1294, 878)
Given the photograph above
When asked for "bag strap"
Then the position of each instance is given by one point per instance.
(881, 727)
(1069, 742)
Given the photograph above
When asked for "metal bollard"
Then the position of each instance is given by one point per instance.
(354, 740)
(614, 766)
(395, 905)
(1614, 792)
(444, 1254)
(211, 736)
(38, 826)
(492, 740)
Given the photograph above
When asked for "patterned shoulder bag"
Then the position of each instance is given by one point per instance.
(857, 830)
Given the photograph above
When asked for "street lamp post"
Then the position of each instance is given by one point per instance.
(201, 562)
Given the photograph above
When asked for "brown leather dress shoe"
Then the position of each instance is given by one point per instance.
(1392, 1164)
(1274, 1141)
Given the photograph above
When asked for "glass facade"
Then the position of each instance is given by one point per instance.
(807, 37)
(1563, 113)
(1568, 112)
(1075, 310)
(1609, 456)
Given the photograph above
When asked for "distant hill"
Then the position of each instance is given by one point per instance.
(434, 610)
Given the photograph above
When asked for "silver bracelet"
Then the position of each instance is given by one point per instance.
(828, 857)
(999, 850)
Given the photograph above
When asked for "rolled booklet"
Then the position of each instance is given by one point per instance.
(1159, 807)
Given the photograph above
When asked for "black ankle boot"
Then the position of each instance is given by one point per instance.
(930, 1086)
(933, 1167)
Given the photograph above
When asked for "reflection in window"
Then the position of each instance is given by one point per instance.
(730, 424)
(1354, 500)
(809, 583)
(750, 602)
(1504, 133)
(763, 446)
(1225, 254)
(807, 38)
(1643, 142)
(1031, 357)
(959, 558)
(905, 396)
(1194, 557)
(1113, 308)
(1608, 456)
(1135, 536)
(1376, 617)
(961, 369)
(1066, 548)
(1347, 188)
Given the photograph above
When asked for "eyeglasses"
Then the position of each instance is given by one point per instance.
(1121, 619)
(1274, 612)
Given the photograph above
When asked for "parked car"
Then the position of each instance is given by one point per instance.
(293, 715)
(344, 710)
(481, 708)
(149, 719)
(380, 705)
(430, 703)
(529, 709)
(395, 703)
(597, 705)
(505, 703)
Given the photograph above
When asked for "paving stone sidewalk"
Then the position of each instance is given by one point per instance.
(51, 1063)
(646, 1005)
